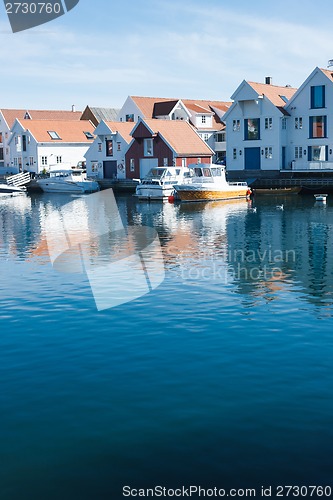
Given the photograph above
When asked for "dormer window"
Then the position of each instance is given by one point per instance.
(88, 135)
(54, 136)
(203, 119)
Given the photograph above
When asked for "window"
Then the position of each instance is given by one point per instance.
(88, 135)
(252, 129)
(298, 152)
(109, 147)
(268, 123)
(44, 160)
(118, 146)
(284, 98)
(206, 137)
(24, 142)
(0, 136)
(148, 147)
(317, 126)
(132, 165)
(15, 162)
(31, 161)
(284, 123)
(234, 154)
(59, 159)
(130, 118)
(54, 135)
(318, 96)
(1, 154)
(220, 137)
(298, 123)
(269, 153)
(99, 147)
(317, 153)
(203, 119)
(236, 125)
(165, 162)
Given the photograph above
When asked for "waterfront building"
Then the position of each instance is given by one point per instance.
(105, 158)
(157, 143)
(40, 145)
(310, 126)
(205, 116)
(7, 120)
(257, 128)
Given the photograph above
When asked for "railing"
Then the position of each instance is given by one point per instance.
(312, 165)
(18, 180)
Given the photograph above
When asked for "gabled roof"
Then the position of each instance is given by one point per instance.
(11, 115)
(328, 73)
(180, 136)
(123, 128)
(147, 104)
(106, 114)
(273, 92)
(68, 131)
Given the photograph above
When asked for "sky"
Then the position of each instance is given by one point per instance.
(102, 51)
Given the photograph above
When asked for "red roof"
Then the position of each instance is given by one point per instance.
(11, 115)
(68, 131)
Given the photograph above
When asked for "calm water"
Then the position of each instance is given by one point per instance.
(221, 377)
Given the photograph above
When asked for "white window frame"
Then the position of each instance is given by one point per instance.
(268, 123)
(148, 147)
(298, 122)
(298, 152)
(236, 125)
(203, 119)
(44, 161)
(284, 123)
(132, 165)
(269, 152)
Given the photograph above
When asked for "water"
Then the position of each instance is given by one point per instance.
(221, 377)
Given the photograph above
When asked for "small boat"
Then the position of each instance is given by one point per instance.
(208, 182)
(8, 190)
(68, 181)
(321, 197)
(159, 183)
(276, 191)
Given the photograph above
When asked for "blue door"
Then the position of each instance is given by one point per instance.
(252, 158)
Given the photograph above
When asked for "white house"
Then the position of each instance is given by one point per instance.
(7, 120)
(310, 127)
(257, 127)
(49, 144)
(205, 116)
(105, 158)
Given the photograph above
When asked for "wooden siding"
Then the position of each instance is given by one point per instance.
(136, 151)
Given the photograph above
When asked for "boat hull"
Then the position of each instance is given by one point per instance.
(153, 193)
(187, 193)
(60, 187)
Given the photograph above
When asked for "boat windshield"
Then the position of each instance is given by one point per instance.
(156, 173)
(202, 172)
(216, 171)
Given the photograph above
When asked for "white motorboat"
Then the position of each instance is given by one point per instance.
(6, 190)
(68, 181)
(321, 197)
(208, 182)
(159, 183)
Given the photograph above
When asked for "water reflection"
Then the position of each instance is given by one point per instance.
(263, 253)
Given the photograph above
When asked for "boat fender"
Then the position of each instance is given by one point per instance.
(171, 198)
(248, 192)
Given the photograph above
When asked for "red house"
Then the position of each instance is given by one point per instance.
(159, 143)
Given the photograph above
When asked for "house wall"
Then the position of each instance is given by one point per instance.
(270, 138)
(95, 157)
(301, 107)
(136, 152)
(130, 108)
(5, 165)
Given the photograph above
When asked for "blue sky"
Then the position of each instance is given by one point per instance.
(103, 51)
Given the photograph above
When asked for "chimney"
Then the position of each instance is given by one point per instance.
(268, 80)
(73, 108)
